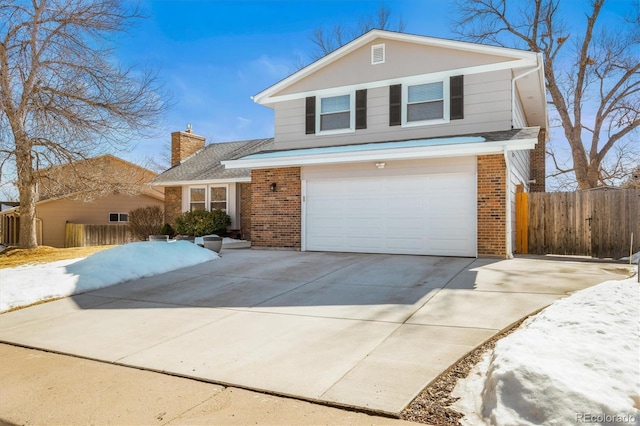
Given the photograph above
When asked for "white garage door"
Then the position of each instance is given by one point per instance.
(431, 214)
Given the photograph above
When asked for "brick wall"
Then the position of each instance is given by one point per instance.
(276, 216)
(537, 158)
(172, 204)
(492, 205)
(245, 210)
(183, 144)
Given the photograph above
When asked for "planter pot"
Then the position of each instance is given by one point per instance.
(213, 243)
(159, 238)
(191, 239)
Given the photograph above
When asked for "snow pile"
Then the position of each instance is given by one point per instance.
(635, 258)
(28, 284)
(577, 361)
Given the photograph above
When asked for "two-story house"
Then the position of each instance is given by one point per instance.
(396, 143)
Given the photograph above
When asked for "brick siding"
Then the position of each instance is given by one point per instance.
(245, 210)
(537, 160)
(172, 204)
(276, 216)
(492, 205)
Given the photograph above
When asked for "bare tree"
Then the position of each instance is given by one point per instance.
(62, 95)
(592, 76)
(328, 40)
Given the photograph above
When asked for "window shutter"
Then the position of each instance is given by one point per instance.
(395, 105)
(361, 109)
(310, 123)
(456, 99)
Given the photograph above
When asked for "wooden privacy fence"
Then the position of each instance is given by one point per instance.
(81, 235)
(597, 223)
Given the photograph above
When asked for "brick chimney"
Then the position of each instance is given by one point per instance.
(183, 144)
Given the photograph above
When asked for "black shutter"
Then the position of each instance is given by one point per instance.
(361, 109)
(310, 123)
(395, 105)
(456, 97)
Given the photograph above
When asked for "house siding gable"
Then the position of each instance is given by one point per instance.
(402, 59)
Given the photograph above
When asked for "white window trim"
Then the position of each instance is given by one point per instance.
(207, 195)
(445, 104)
(352, 114)
(118, 221)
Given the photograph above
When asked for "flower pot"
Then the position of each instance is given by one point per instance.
(213, 243)
(189, 238)
(164, 238)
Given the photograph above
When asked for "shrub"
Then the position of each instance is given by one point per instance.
(202, 222)
(145, 221)
(167, 230)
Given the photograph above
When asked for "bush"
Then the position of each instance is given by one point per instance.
(202, 222)
(167, 230)
(145, 221)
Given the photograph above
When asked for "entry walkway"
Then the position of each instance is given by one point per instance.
(357, 330)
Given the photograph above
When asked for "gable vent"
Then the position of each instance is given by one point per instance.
(377, 54)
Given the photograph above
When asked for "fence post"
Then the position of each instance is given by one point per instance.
(522, 220)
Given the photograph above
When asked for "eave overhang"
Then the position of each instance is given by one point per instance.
(329, 155)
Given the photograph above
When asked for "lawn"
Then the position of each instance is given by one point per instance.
(12, 256)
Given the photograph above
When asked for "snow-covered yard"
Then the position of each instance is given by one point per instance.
(577, 361)
(24, 285)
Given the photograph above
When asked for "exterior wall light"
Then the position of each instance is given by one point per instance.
(273, 187)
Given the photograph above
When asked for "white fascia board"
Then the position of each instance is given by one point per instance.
(454, 150)
(201, 182)
(414, 79)
(265, 97)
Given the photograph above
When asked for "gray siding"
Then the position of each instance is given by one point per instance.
(487, 107)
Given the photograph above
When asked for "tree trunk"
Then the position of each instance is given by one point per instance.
(27, 191)
(28, 238)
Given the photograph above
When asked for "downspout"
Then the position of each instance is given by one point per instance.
(513, 88)
(508, 226)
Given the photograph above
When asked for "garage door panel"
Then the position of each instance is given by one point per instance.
(429, 214)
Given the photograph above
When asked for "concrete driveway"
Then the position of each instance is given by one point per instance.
(359, 330)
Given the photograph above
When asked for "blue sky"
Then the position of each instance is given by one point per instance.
(213, 56)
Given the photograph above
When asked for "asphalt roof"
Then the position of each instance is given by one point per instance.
(204, 164)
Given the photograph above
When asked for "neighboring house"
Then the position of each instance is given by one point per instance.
(397, 143)
(108, 189)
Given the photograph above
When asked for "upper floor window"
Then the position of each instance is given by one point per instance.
(435, 102)
(118, 217)
(425, 102)
(335, 113)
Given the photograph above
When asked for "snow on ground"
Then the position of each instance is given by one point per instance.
(24, 285)
(575, 362)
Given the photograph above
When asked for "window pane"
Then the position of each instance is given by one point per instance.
(335, 104)
(219, 193)
(219, 205)
(341, 120)
(197, 206)
(426, 92)
(197, 195)
(425, 111)
(124, 217)
(113, 217)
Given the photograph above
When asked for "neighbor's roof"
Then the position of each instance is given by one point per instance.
(204, 166)
(451, 146)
